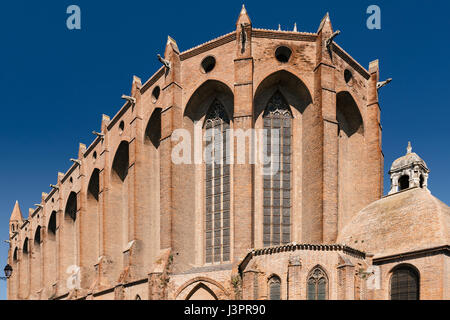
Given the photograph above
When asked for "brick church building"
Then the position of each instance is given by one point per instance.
(127, 222)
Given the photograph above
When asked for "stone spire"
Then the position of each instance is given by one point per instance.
(243, 17)
(16, 214)
(409, 171)
(295, 27)
(243, 35)
(16, 220)
(325, 24)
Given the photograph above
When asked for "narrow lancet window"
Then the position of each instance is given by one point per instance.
(277, 180)
(217, 185)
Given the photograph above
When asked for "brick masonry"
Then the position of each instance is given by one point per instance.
(142, 235)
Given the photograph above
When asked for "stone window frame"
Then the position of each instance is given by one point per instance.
(317, 274)
(274, 279)
(217, 232)
(278, 111)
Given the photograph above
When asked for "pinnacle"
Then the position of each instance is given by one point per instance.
(16, 215)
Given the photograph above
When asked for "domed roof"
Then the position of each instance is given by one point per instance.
(408, 160)
(406, 221)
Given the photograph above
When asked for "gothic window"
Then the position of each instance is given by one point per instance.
(405, 284)
(71, 206)
(275, 288)
(255, 286)
(277, 174)
(37, 236)
(16, 254)
(317, 285)
(94, 184)
(217, 186)
(25, 246)
(121, 161)
(52, 224)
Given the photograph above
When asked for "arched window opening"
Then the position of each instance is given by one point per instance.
(94, 184)
(405, 283)
(277, 174)
(155, 94)
(25, 247)
(348, 76)
(52, 224)
(317, 285)
(37, 236)
(121, 161)
(16, 254)
(275, 288)
(403, 183)
(348, 114)
(217, 185)
(71, 207)
(153, 130)
(422, 180)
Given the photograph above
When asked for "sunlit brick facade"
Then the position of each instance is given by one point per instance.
(139, 226)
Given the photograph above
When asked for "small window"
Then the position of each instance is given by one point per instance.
(25, 246)
(422, 180)
(275, 288)
(155, 94)
(283, 54)
(405, 284)
(208, 64)
(16, 254)
(317, 285)
(348, 76)
(403, 183)
(121, 127)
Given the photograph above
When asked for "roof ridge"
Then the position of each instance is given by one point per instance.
(285, 31)
(207, 42)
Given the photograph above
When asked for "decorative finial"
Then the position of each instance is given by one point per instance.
(279, 27)
(243, 11)
(409, 149)
(295, 27)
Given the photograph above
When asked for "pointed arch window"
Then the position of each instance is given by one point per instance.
(16, 255)
(37, 236)
(52, 225)
(317, 285)
(217, 185)
(71, 207)
(25, 247)
(275, 288)
(277, 179)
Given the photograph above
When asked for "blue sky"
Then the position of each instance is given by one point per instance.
(56, 83)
